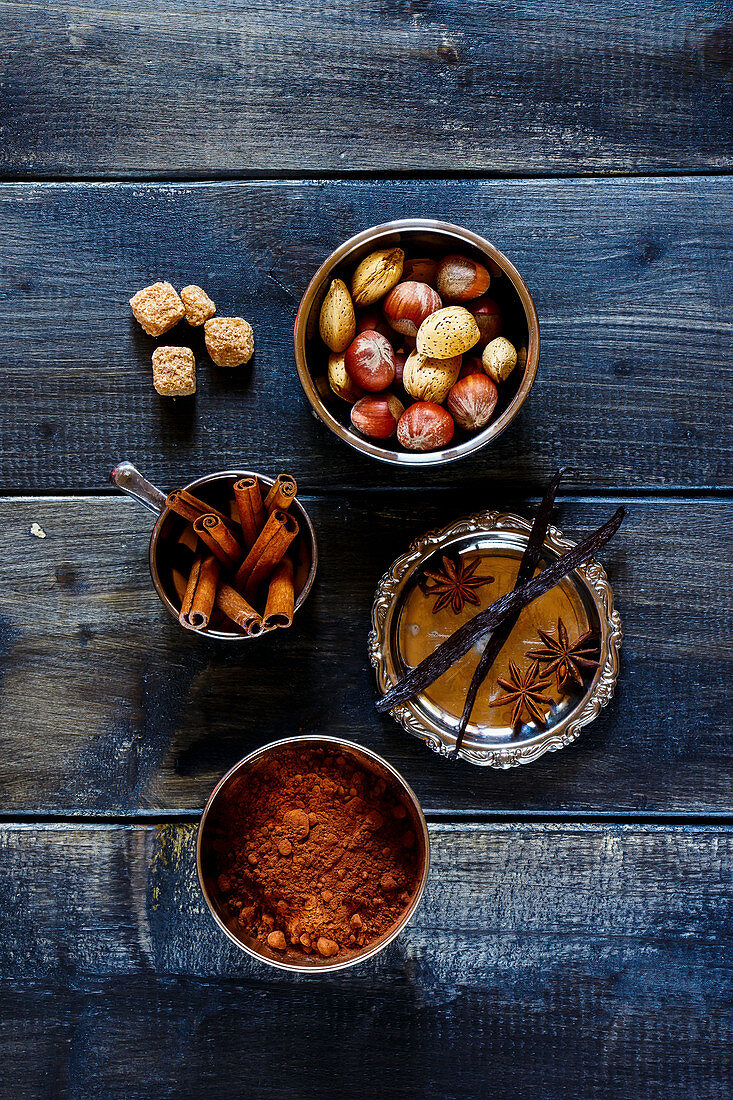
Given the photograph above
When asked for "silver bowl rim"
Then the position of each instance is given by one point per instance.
(220, 635)
(468, 446)
(600, 690)
(359, 750)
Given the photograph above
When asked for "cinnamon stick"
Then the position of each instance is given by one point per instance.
(272, 554)
(278, 524)
(212, 530)
(459, 643)
(248, 496)
(236, 608)
(184, 550)
(282, 493)
(280, 604)
(190, 507)
(198, 599)
(528, 564)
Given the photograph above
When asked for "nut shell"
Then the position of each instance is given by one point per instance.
(499, 359)
(471, 402)
(422, 269)
(337, 323)
(447, 332)
(459, 278)
(372, 320)
(370, 360)
(408, 304)
(377, 416)
(430, 379)
(471, 365)
(488, 318)
(340, 380)
(425, 426)
(376, 275)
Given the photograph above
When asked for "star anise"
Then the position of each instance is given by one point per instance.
(524, 690)
(455, 584)
(566, 660)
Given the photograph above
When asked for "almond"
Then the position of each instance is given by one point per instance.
(376, 275)
(338, 321)
(430, 379)
(499, 359)
(340, 381)
(447, 332)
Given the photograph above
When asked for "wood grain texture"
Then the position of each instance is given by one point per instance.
(633, 283)
(106, 88)
(546, 960)
(107, 706)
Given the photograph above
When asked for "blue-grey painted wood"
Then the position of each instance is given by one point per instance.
(555, 960)
(107, 706)
(117, 87)
(632, 281)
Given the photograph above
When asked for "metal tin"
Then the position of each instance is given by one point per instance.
(430, 234)
(128, 478)
(374, 764)
(504, 534)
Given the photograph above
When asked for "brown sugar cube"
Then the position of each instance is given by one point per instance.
(174, 372)
(229, 341)
(199, 306)
(158, 308)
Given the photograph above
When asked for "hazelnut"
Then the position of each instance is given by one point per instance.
(495, 271)
(499, 359)
(376, 275)
(407, 306)
(425, 426)
(372, 320)
(488, 318)
(399, 367)
(447, 332)
(377, 417)
(340, 381)
(460, 278)
(337, 323)
(423, 270)
(370, 361)
(471, 365)
(472, 401)
(430, 379)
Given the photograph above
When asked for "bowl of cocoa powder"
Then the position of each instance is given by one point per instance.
(312, 853)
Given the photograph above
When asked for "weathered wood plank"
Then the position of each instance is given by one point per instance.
(99, 87)
(548, 960)
(632, 281)
(107, 706)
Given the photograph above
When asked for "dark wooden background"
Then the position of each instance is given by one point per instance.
(575, 937)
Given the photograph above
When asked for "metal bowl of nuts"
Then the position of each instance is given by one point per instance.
(312, 854)
(417, 342)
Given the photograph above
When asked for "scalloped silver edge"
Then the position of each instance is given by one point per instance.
(594, 576)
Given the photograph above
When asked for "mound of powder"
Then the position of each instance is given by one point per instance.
(314, 854)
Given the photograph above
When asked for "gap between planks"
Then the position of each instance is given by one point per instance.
(438, 819)
(332, 176)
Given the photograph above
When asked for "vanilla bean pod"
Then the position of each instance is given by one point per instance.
(530, 560)
(486, 621)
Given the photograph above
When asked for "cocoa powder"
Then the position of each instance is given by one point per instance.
(314, 854)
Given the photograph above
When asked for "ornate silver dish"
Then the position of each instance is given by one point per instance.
(585, 598)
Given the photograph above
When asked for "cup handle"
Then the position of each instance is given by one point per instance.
(129, 479)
